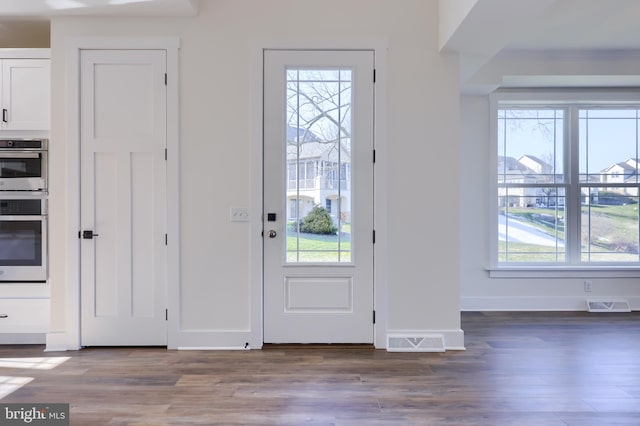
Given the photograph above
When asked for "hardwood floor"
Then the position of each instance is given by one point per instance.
(519, 369)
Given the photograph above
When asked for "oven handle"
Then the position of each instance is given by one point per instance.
(21, 154)
(18, 218)
(24, 195)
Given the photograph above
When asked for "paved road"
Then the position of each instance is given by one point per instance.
(522, 232)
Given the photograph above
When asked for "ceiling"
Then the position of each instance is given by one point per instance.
(490, 25)
(26, 23)
(46, 8)
(583, 24)
(482, 31)
(558, 33)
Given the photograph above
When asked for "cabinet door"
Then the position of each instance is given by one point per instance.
(24, 316)
(25, 94)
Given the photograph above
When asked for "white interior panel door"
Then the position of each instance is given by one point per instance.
(123, 169)
(318, 196)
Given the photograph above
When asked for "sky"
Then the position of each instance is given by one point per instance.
(605, 137)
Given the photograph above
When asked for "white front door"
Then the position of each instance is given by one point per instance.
(123, 140)
(318, 196)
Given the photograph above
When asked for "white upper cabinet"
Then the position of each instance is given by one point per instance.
(25, 94)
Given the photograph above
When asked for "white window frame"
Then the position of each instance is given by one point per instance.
(557, 99)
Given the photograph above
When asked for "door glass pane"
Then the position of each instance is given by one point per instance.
(318, 146)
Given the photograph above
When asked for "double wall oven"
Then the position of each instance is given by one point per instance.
(23, 210)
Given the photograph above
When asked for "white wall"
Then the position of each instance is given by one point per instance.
(422, 143)
(478, 290)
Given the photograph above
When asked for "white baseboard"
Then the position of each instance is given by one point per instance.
(213, 348)
(453, 339)
(59, 342)
(536, 303)
(22, 338)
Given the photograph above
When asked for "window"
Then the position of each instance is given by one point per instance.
(566, 182)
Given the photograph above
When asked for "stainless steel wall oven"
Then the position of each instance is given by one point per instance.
(23, 238)
(23, 210)
(23, 164)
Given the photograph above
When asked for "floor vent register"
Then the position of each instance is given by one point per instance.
(415, 343)
(608, 306)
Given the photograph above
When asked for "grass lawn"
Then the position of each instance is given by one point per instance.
(549, 221)
(522, 252)
(318, 248)
(609, 233)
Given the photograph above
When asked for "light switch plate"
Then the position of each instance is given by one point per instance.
(239, 214)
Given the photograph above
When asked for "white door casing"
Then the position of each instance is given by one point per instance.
(318, 151)
(123, 191)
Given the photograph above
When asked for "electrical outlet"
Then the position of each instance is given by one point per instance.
(587, 286)
(239, 214)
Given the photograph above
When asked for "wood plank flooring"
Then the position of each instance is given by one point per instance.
(519, 369)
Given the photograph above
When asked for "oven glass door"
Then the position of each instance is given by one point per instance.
(22, 171)
(20, 165)
(21, 243)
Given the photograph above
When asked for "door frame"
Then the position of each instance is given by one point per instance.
(71, 338)
(380, 266)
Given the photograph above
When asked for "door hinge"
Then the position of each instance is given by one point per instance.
(165, 78)
(374, 317)
(166, 314)
(374, 155)
(374, 236)
(374, 75)
(165, 154)
(166, 239)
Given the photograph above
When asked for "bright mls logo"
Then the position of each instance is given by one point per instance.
(34, 414)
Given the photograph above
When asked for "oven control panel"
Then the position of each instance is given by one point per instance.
(37, 144)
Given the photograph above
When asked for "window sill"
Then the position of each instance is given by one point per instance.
(564, 272)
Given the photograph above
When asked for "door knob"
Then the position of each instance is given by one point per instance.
(88, 235)
(272, 234)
